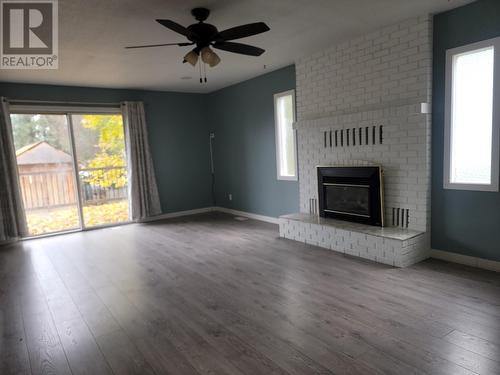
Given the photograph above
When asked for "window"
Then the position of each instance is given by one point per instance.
(286, 149)
(471, 120)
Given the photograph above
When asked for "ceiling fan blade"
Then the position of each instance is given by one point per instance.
(161, 45)
(174, 26)
(242, 31)
(240, 48)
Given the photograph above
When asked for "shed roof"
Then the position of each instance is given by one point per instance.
(41, 153)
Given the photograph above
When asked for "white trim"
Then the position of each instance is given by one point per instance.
(467, 260)
(172, 215)
(267, 219)
(495, 150)
(295, 177)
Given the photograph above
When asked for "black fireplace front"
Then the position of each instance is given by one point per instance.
(351, 193)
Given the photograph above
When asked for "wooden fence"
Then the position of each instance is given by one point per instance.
(57, 188)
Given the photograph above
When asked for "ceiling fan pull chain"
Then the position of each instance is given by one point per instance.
(205, 71)
(199, 68)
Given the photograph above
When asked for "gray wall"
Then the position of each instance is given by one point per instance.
(177, 130)
(242, 117)
(464, 222)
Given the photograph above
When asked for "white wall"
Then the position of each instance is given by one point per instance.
(389, 65)
(378, 79)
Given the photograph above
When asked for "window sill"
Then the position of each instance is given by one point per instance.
(472, 187)
(288, 178)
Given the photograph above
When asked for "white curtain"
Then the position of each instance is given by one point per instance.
(12, 219)
(145, 200)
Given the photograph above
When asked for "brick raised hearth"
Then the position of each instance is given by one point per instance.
(390, 245)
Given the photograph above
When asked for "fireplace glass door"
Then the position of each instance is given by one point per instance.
(348, 199)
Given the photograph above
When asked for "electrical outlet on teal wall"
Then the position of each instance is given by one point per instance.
(464, 222)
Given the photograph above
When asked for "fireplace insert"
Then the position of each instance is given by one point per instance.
(351, 193)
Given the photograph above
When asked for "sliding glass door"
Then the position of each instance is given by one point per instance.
(72, 170)
(102, 168)
(47, 176)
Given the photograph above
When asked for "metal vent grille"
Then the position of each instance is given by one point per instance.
(313, 206)
(354, 137)
(400, 217)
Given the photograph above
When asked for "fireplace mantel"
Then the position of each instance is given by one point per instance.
(363, 113)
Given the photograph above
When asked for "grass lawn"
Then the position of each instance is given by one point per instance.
(66, 218)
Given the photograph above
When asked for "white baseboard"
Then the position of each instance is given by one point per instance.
(172, 215)
(486, 264)
(267, 219)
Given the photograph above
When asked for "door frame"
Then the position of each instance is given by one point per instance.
(76, 172)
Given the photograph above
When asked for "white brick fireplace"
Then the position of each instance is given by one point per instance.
(364, 102)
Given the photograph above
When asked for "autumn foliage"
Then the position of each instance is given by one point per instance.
(107, 166)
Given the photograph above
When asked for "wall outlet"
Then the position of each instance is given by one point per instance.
(230, 196)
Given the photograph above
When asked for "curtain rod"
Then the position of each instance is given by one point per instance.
(26, 101)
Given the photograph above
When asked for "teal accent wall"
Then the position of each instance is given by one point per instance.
(178, 135)
(464, 222)
(242, 117)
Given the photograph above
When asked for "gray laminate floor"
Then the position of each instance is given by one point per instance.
(212, 295)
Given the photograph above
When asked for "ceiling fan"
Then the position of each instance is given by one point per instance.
(204, 36)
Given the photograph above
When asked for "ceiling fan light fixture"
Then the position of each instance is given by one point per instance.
(191, 57)
(204, 36)
(216, 60)
(209, 57)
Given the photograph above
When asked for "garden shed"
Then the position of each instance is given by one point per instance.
(46, 176)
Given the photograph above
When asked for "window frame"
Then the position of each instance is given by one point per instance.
(495, 154)
(279, 176)
(69, 111)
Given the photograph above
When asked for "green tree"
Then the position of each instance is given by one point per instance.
(109, 161)
(28, 129)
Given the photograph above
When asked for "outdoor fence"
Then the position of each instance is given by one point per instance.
(50, 189)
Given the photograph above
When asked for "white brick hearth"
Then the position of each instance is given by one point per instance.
(360, 103)
(393, 246)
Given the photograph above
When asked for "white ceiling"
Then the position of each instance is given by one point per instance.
(93, 33)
